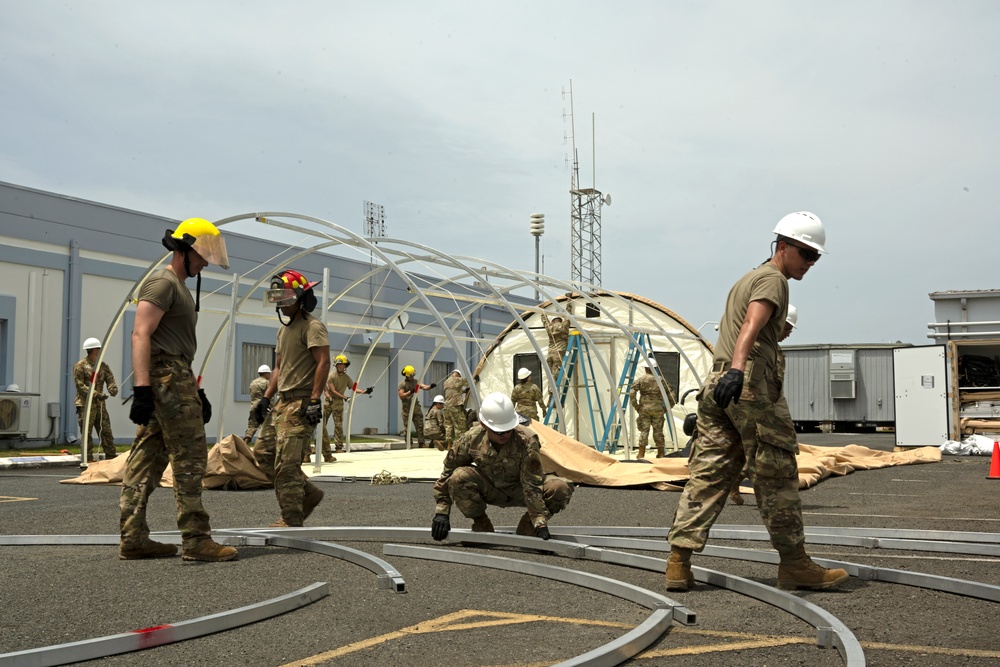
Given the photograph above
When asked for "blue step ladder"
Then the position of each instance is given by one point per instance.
(576, 362)
(613, 425)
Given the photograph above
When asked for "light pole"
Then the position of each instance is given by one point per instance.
(537, 229)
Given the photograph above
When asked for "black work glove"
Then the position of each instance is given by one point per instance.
(369, 390)
(142, 405)
(261, 409)
(729, 388)
(476, 378)
(314, 412)
(433, 384)
(206, 407)
(690, 424)
(543, 532)
(440, 527)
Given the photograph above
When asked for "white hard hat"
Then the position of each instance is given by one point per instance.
(497, 412)
(91, 344)
(439, 399)
(263, 369)
(647, 362)
(523, 373)
(13, 387)
(793, 316)
(803, 227)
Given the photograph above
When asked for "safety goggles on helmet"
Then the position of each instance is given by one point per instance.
(286, 288)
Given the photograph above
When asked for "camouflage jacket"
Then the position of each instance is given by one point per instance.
(517, 465)
(558, 334)
(645, 394)
(434, 424)
(257, 388)
(526, 395)
(83, 373)
(454, 391)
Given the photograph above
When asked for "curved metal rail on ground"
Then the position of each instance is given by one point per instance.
(102, 647)
(612, 653)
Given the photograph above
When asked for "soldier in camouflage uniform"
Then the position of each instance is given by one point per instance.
(435, 425)
(497, 463)
(257, 388)
(334, 399)
(648, 402)
(83, 374)
(456, 389)
(167, 404)
(297, 381)
(781, 407)
(558, 332)
(526, 395)
(407, 392)
(738, 421)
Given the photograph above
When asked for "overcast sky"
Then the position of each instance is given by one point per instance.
(713, 120)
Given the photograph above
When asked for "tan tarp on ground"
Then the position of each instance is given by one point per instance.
(580, 463)
(230, 466)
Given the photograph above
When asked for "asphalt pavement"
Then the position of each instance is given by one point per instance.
(466, 615)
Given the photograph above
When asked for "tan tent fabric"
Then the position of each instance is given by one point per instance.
(578, 462)
(230, 466)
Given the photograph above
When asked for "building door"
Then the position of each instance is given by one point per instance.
(371, 411)
(921, 395)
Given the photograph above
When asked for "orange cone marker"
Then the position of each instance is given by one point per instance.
(995, 463)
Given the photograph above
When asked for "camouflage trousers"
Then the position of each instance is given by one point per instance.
(555, 359)
(284, 436)
(175, 435)
(754, 432)
(651, 420)
(471, 491)
(100, 422)
(454, 423)
(335, 409)
(252, 425)
(418, 419)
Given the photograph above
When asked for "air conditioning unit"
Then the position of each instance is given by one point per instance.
(15, 413)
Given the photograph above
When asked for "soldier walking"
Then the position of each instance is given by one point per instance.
(300, 369)
(167, 404)
(649, 406)
(738, 419)
(526, 395)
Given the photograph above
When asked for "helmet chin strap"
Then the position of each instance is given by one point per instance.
(290, 319)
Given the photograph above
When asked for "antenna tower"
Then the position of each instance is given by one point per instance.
(374, 229)
(585, 210)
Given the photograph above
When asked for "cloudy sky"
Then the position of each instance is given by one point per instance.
(713, 119)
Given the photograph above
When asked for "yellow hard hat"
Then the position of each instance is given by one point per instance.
(202, 236)
(409, 371)
(341, 359)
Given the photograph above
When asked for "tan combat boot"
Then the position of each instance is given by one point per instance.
(797, 570)
(210, 551)
(735, 497)
(525, 527)
(642, 452)
(313, 496)
(482, 524)
(679, 576)
(149, 549)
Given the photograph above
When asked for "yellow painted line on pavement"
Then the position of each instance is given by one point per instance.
(471, 619)
(14, 499)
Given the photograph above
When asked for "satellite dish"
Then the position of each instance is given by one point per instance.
(607, 200)
(399, 322)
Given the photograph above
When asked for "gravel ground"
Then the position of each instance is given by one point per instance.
(69, 593)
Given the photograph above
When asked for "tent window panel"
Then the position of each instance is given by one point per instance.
(530, 361)
(669, 364)
(254, 356)
(592, 311)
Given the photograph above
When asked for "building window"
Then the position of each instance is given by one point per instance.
(254, 356)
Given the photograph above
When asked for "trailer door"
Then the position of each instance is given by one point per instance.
(920, 385)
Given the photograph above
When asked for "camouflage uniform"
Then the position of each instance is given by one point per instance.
(257, 388)
(83, 372)
(334, 407)
(412, 385)
(525, 396)
(455, 389)
(648, 402)
(477, 473)
(558, 342)
(285, 434)
(176, 432)
(436, 428)
(755, 430)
